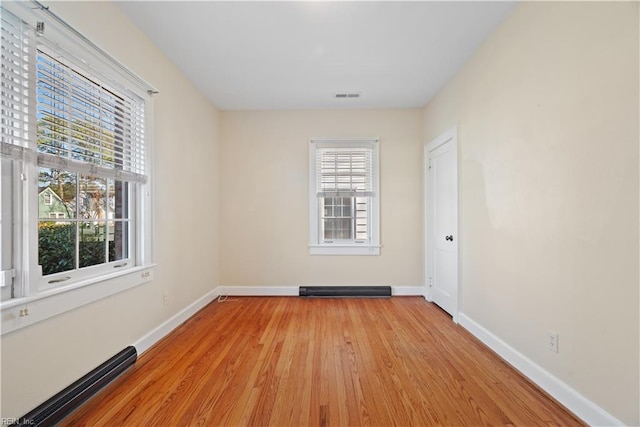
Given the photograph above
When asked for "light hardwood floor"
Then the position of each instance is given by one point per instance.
(286, 361)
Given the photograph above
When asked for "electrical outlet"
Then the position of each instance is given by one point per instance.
(165, 298)
(552, 341)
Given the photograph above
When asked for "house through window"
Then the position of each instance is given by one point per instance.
(345, 218)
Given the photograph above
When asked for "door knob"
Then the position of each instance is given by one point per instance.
(449, 238)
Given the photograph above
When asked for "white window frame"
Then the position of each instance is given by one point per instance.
(318, 246)
(7, 232)
(32, 301)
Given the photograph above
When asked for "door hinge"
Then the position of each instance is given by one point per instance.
(430, 282)
(429, 162)
(6, 277)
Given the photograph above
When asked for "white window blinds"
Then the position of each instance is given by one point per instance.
(17, 53)
(64, 116)
(81, 120)
(344, 172)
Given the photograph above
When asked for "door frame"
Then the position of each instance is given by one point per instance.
(449, 136)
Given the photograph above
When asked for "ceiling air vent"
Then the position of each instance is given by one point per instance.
(352, 95)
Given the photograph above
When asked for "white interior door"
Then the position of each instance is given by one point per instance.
(442, 238)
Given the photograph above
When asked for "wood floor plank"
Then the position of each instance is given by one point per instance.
(286, 361)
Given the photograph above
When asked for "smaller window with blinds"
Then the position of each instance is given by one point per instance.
(343, 197)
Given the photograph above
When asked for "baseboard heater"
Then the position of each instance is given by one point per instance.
(345, 291)
(55, 409)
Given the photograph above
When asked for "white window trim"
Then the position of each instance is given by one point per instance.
(33, 303)
(21, 312)
(317, 247)
(7, 232)
(36, 303)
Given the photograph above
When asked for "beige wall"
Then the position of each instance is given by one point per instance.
(43, 359)
(264, 198)
(548, 112)
(548, 119)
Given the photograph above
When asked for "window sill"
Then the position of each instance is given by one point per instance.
(50, 303)
(343, 250)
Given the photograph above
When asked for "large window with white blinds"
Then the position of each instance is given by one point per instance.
(90, 143)
(75, 206)
(344, 197)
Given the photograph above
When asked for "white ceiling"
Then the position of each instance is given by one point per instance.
(298, 55)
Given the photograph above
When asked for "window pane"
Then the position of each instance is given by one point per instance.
(345, 218)
(92, 243)
(92, 193)
(343, 228)
(337, 228)
(118, 199)
(338, 221)
(53, 124)
(56, 193)
(327, 226)
(346, 208)
(56, 247)
(118, 240)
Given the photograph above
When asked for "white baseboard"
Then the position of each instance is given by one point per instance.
(259, 291)
(408, 291)
(144, 343)
(582, 407)
(293, 290)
